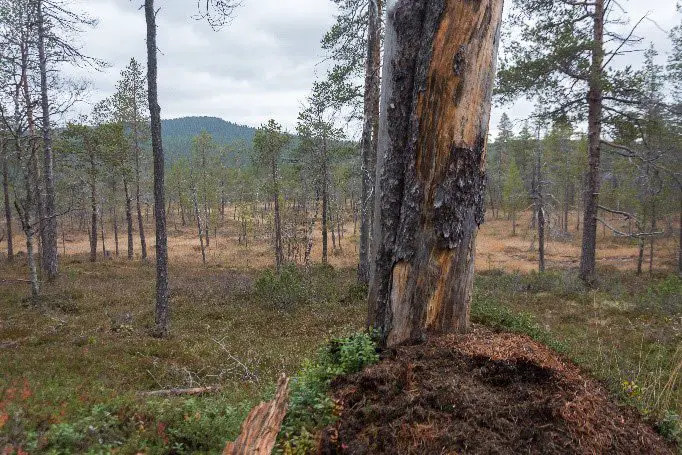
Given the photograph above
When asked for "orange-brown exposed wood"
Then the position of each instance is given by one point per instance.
(259, 431)
(439, 66)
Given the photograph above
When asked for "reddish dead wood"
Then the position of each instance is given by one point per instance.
(259, 431)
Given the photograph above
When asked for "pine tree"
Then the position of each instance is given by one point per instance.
(561, 59)
(268, 144)
(132, 104)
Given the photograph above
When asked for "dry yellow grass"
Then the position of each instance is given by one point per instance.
(496, 248)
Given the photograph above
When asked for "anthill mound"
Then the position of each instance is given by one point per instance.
(482, 393)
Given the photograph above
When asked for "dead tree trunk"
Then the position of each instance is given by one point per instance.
(438, 72)
(369, 134)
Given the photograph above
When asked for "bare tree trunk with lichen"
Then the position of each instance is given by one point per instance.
(439, 67)
(369, 134)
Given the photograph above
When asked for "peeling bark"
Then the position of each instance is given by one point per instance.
(439, 67)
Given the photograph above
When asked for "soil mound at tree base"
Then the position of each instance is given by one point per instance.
(481, 393)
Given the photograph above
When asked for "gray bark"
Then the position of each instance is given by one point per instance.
(369, 134)
(162, 308)
(49, 244)
(8, 208)
(129, 218)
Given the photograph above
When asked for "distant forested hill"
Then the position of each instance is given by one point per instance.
(178, 133)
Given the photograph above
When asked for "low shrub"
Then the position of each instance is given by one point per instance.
(310, 406)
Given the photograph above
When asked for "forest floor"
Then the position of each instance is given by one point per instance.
(482, 393)
(73, 366)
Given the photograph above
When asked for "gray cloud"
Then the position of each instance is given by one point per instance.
(263, 64)
(260, 66)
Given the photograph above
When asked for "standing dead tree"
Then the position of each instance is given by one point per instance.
(439, 66)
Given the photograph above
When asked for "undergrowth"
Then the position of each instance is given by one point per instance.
(310, 406)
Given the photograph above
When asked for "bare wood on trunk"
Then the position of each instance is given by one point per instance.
(259, 431)
(438, 71)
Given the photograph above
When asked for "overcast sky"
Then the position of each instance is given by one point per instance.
(259, 67)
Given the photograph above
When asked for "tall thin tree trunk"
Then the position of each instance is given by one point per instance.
(114, 214)
(101, 227)
(370, 135)
(93, 205)
(567, 193)
(325, 218)
(129, 218)
(162, 308)
(640, 256)
(8, 208)
(25, 210)
(679, 245)
(439, 66)
(652, 239)
(199, 227)
(50, 260)
(588, 271)
(539, 204)
(513, 216)
(140, 220)
(279, 253)
(182, 211)
(33, 162)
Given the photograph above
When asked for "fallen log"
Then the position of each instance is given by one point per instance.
(175, 392)
(259, 431)
(14, 280)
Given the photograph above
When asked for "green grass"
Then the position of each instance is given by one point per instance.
(73, 365)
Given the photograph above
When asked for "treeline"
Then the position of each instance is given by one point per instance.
(288, 185)
(545, 167)
(178, 133)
